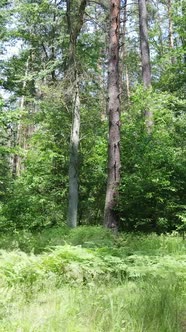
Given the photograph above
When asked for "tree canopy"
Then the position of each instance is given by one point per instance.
(58, 104)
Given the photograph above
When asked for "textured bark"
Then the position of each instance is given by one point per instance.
(145, 57)
(144, 44)
(171, 38)
(75, 22)
(73, 165)
(123, 70)
(110, 217)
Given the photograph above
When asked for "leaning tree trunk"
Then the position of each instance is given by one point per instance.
(145, 58)
(113, 180)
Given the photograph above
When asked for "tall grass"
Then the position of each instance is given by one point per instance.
(131, 307)
(93, 237)
(89, 280)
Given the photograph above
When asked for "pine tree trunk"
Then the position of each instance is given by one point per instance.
(145, 58)
(110, 217)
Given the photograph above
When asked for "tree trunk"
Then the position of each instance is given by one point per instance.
(73, 164)
(145, 58)
(113, 180)
(123, 56)
(21, 129)
(144, 44)
(127, 83)
(171, 38)
(75, 23)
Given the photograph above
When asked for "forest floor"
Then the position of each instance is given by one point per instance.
(90, 280)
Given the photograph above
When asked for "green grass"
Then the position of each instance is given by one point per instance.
(89, 280)
(92, 237)
(132, 306)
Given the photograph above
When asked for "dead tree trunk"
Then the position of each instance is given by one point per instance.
(113, 180)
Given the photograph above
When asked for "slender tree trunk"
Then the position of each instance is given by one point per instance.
(183, 39)
(123, 70)
(15, 156)
(75, 23)
(113, 180)
(145, 58)
(160, 36)
(127, 82)
(127, 78)
(53, 56)
(73, 164)
(171, 38)
(144, 44)
(21, 130)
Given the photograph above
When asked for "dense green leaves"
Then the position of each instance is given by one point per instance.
(37, 110)
(153, 174)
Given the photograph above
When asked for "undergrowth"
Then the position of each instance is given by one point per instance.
(89, 279)
(92, 237)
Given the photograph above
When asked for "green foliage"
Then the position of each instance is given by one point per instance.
(129, 283)
(93, 237)
(153, 174)
(144, 258)
(152, 190)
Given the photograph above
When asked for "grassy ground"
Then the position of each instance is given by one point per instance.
(89, 280)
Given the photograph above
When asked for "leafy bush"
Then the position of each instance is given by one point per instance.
(153, 167)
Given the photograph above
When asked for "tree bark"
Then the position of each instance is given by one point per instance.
(123, 56)
(145, 57)
(75, 23)
(171, 37)
(113, 180)
(73, 164)
(144, 44)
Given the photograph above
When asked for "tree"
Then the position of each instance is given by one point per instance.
(113, 179)
(123, 68)
(145, 57)
(57, 85)
(75, 21)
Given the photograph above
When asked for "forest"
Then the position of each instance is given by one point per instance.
(92, 165)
